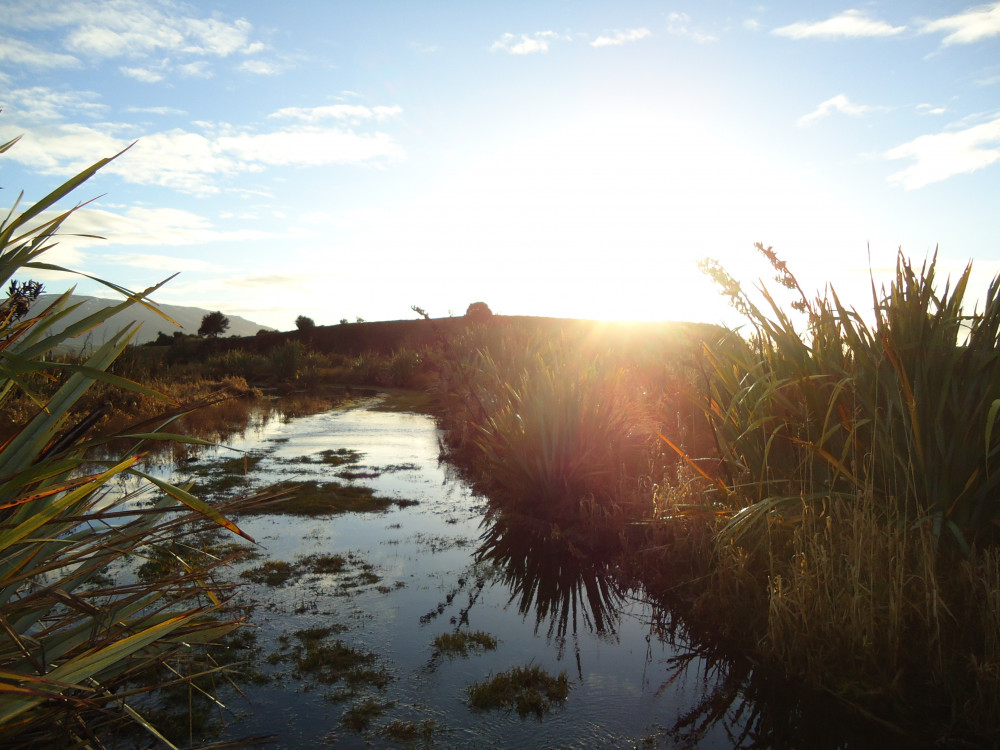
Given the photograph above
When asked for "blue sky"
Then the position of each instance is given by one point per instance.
(343, 160)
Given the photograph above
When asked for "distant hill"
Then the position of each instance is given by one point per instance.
(189, 319)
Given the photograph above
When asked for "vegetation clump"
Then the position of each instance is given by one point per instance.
(409, 731)
(314, 657)
(352, 572)
(462, 642)
(326, 498)
(527, 690)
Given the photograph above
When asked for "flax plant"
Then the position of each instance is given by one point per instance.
(77, 633)
(902, 409)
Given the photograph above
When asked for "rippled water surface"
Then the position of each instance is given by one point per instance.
(630, 685)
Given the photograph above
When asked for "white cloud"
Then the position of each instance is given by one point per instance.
(260, 67)
(621, 37)
(940, 156)
(751, 24)
(139, 226)
(972, 25)
(196, 162)
(42, 103)
(525, 44)
(839, 103)
(678, 24)
(144, 75)
(198, 69)
(930, 109)
(156, 110)
(351, 112)
(850, 23)
(131, 29)
(16, 51)
(306, 147)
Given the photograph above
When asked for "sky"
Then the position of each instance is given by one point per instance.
(345, 160)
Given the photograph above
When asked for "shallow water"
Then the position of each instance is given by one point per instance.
(632, 684)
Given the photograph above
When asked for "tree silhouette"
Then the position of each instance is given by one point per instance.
(213, 324)
(304, 323)
(479, 312)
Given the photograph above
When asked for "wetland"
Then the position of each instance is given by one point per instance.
(386, 607)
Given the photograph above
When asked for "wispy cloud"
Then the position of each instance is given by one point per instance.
(123, 29)
(39, 103)
(679, 24)
(18, 52)
(156, 110)
(144, 75)
(192, 161)
(942, 155)
(262, 67)
(525, 44)
(930, 109)
(972, 25)
(349, 112)
(839, 103)
(619, 38)
(850, 23)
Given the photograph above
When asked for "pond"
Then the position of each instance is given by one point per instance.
(351, 608)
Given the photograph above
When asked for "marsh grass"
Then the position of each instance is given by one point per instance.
(326, 498)
(847, 515)
(351, 571)
(527, 690)
(462, 642)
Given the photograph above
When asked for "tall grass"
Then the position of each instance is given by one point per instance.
(851, 502)
(73, 637)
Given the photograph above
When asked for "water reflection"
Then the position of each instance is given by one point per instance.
(550, 578)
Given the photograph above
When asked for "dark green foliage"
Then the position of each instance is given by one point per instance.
(213, 324)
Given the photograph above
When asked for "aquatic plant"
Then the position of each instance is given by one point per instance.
(528, 690)
(75, 639)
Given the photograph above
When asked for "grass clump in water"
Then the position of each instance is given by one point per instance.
(459, 644)
(326, 498)
(409, 731)
(354, 571)
(360, 716)
(340, 457)
(313, 657)
(528, 690)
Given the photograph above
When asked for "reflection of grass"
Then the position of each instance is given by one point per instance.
(528, 690)
(459, 644)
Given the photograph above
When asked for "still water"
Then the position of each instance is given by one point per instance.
(437, 567)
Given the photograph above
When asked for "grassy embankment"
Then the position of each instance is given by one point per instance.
(827, 499)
